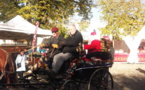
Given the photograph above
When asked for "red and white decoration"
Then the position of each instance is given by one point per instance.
(35, 36)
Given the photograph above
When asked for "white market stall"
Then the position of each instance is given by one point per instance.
(19, 28)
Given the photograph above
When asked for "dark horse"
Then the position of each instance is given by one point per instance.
(7, 68)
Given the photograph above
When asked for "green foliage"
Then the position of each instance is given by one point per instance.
(48, 12)
(83, 25)
(7, 9)
(63, 31)
(123, 17)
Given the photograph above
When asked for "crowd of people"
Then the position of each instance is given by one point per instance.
(62, 49)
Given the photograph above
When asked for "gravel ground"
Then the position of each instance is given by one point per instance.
(128, 76)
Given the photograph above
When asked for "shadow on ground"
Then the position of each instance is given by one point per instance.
(141, 70)
(128, 83)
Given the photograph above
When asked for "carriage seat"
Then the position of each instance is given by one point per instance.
(96, 59)
(101, 55)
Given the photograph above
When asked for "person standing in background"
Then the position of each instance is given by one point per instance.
(20, 64)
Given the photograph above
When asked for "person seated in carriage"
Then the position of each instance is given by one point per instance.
(100, 49)
(94, 44)
(53, 41)
(69, 48)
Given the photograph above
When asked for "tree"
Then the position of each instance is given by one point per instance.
(83, 25)
(123, 17)
(8, 9)
(48, 12)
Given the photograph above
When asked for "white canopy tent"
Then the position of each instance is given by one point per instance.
(19, 28)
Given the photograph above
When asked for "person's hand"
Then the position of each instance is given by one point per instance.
(54, 45)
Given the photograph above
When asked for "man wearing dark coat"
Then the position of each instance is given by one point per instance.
(54, 40)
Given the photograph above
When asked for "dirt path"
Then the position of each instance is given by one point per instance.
(128, 76)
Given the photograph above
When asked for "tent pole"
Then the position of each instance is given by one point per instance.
(15, 54)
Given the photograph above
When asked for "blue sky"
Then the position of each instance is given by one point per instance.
(143, 1)
(95, 23)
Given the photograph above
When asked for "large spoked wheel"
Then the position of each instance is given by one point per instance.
(101, 79)
(69, 85)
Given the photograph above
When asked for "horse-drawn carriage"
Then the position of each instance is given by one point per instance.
(87, 72)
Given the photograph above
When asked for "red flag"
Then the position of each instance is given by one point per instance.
(34, 36)
(94, 33)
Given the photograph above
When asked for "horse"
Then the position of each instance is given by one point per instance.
(7, 68)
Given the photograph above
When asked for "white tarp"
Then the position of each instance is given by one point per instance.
(19, 28)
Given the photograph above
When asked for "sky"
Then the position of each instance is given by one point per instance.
(95, 23)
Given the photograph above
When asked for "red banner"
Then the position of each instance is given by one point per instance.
(35, 36)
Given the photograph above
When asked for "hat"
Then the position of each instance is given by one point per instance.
(54, 29)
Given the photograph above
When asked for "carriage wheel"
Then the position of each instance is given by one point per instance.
(69, 85)
(101, 79)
